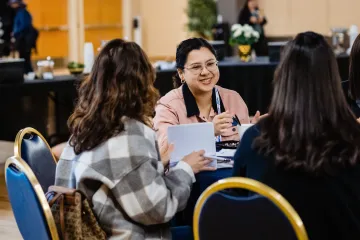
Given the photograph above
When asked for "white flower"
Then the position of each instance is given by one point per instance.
(247, 34)
(235, 27)
(256, 34)
(237, 32)
(247, 28)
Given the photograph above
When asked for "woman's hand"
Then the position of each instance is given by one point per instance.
(222, 122)
(261, 16)
(260, 19)
(198, 162)
(257, 117)
(253, 20)
(165, 154)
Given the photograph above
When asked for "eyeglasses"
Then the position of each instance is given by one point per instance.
(196, 69)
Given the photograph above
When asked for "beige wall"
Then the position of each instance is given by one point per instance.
(288, 17)
(163, 24)
(164, 20)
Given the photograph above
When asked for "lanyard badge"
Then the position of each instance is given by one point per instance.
(217, 96)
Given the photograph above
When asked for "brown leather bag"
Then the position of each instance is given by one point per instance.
(73, 215)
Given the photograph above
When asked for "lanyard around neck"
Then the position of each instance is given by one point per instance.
(217, 97)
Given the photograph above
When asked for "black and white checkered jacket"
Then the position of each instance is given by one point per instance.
(124, 180)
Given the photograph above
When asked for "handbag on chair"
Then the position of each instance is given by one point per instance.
(73, 215)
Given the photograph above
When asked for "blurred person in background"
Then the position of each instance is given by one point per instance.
(24, 33)
(6, 24)
(252, 15)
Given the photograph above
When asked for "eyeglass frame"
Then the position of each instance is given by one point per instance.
(216, 62)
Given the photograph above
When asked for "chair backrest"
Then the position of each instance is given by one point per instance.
(33, 148)
(31, 209)
(265, 215)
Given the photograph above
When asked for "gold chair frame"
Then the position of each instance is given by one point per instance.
(24, 167)
(259, 188)
(20, 136)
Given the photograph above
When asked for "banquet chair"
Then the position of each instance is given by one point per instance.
(33, 148)
(30, 207)
(264, 215)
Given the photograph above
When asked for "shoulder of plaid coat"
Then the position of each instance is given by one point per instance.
(124, 180)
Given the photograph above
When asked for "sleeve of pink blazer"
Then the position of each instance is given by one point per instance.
(165, 116)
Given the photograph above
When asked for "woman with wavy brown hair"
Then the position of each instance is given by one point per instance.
(112, 155)
(308, 147)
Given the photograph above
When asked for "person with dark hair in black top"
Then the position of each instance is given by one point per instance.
(251, 14)
(24, 32)
(308, 147)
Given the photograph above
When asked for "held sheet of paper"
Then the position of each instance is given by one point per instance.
(194, 137)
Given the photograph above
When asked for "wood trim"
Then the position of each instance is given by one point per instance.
(127, 6)
(73, 38)
(81, 30)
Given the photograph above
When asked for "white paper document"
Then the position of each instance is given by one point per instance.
(228, 153)
(192, 137)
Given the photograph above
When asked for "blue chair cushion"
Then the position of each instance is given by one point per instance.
(37, 155)
(232, 217)
(26, 206)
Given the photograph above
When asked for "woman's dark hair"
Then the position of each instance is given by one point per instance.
(183, 50)
(354, 70)
(309, 126)
(120, 85)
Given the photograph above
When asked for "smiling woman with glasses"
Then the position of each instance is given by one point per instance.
(198, 98)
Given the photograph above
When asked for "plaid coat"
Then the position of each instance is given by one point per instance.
(125, 181)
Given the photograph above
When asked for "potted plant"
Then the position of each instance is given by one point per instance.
(244, 37)
(202, 16)
(76, 68)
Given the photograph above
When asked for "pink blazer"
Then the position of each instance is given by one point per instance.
(172, 109)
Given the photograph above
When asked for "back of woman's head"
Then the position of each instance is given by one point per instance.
(183, 50)
(120, 85)
(309, 125)
(354, 70)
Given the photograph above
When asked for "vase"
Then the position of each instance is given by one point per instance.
(245, 53)
(89, 57)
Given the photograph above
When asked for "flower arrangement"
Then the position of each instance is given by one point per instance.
(243, 35)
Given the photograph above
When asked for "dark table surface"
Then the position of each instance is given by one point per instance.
(25, 104)
(30, 87)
